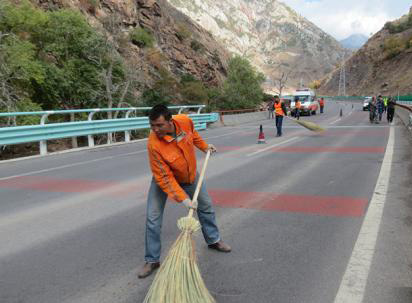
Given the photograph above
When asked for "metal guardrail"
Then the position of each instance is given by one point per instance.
(43, 132)
(406, 115)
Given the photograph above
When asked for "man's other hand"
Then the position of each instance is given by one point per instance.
(212, 148)
(188, 203)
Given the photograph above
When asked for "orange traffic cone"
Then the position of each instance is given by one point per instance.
(261, 139)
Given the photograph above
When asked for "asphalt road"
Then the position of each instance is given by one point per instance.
(72, 224)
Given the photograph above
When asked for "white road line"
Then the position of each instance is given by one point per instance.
(272, 146)
(335, 121)
(89, 161)
(350, 113)
(72, 150)
(70, 165)
(352, 288)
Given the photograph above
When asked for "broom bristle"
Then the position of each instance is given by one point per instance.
(310, 125)
(178, 279)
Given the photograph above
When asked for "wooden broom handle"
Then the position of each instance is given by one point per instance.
(199, 183)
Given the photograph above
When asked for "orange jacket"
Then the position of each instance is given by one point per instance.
(279, 110)
(321, 102)
(173, 161)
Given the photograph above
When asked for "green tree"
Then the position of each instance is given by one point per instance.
(194, 93)
(56, 59)
(242, 88)
(76, 55)
(192, 90)
(19, 66)
(151, 97)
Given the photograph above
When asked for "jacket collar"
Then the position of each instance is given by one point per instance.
(179, 133)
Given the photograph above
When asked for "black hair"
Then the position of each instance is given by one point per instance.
(296, 98)
(160, 110)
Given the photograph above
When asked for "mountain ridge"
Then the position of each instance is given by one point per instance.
(273, 36)
(354, 41)
(381, 66)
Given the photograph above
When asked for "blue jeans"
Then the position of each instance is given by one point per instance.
(156, 201)
(279, 120)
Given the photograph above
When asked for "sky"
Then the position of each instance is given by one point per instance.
(342, 18)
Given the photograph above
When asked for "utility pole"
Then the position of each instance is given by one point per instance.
(342, 79)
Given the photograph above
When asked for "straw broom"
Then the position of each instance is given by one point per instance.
(309, 125)
(178, 279)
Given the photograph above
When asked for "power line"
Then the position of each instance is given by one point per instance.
(342, 79)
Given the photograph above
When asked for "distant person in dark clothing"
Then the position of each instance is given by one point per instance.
(372, 110)
(390, 110)
(380, 106)
(271, 108)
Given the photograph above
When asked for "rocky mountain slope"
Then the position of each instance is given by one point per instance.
(181, 46)
(273, 36)
(381, 66)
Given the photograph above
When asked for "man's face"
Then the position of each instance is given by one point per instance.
(161, 126)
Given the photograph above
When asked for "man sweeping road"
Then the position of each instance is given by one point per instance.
(173, 163)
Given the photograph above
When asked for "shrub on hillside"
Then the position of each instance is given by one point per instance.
(142, 37)
(393, 46)
(400, 25)
(197, 46)
(183, 32)
(155, 58)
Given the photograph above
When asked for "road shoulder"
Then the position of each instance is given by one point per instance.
(390, 277)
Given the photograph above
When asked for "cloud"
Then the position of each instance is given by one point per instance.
(356, 25)
(341, 18)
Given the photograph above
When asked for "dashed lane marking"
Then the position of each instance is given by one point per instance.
(272, 146)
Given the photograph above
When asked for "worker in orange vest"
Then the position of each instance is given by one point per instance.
(297, 107)
(280, 111)
(321, 104)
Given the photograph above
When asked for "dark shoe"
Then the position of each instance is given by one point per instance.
(148, 269)
(220, 246)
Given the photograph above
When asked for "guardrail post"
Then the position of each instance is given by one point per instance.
(90, 138)
(410, 121)
(43, 143)
(74, 139)
(127, 132)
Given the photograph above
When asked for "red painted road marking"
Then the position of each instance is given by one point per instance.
(321, 205)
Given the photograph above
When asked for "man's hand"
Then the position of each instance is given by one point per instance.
(212, 148)
(188, 203)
